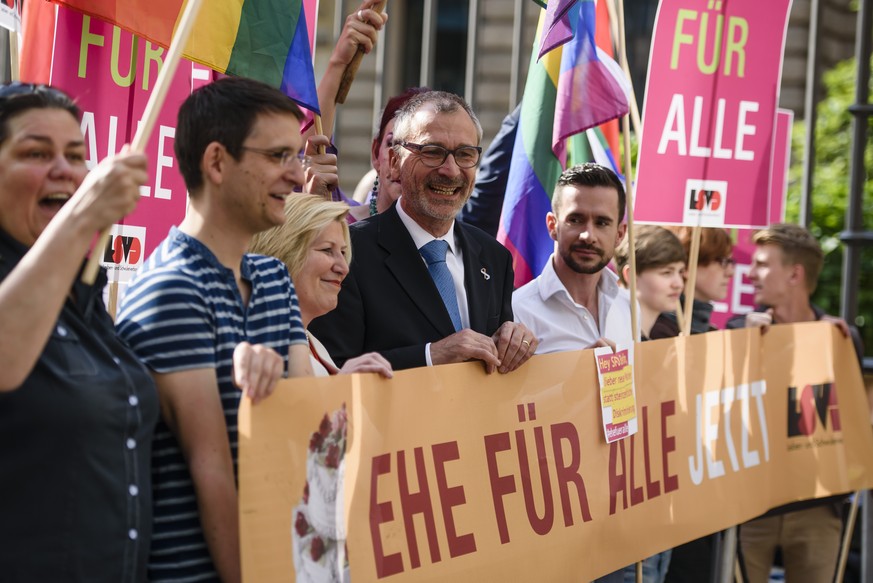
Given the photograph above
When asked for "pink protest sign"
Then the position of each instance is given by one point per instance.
(111, 73)
(710, 113)
(741, 295)
(310, 9)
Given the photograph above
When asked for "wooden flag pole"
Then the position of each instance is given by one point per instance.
(629, 191)
(680, 315)
(629, 202)
(847, 536)
(352, 68)
(319, 131)
(14, 71)
(691, 282)
(614, 20)
(153, 107)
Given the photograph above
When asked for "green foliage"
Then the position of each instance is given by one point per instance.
(833, 144)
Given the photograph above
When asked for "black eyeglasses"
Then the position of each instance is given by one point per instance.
(434, 156)
(282, 157)
(726, 262)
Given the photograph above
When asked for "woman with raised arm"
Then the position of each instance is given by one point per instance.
(77, 409)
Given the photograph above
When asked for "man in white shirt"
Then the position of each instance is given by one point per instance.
(575, 303)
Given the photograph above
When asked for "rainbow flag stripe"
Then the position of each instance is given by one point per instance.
(265, 40)
(534, 169)
(536, 163)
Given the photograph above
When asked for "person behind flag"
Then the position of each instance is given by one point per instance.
(77, 409)
(384, 191)
(571, 89)
(785, 267)
(425, 289)
(200, 300)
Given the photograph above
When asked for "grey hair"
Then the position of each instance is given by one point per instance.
(441, 102)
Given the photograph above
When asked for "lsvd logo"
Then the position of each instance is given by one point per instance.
(705, 202)
(705, 199)
(122, 249)
(811, 405)
(126, 246)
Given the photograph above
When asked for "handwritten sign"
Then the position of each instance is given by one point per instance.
(615, 373)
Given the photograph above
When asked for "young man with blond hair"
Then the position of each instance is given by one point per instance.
(785, 268)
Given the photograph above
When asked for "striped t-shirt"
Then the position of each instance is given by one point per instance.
(183, 311)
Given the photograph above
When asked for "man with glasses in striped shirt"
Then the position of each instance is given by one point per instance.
(200, 302)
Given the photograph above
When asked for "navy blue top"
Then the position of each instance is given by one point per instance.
(75, 446)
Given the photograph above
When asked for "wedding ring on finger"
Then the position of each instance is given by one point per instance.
(526, 342)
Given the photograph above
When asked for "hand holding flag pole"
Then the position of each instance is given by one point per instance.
(153, 107)
(352, 68)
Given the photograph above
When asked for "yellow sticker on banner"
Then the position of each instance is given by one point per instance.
(615, 373)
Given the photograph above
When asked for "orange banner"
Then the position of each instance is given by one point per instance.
(446, 473)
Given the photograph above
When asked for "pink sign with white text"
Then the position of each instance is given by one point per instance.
(111, 74)
(710, 113)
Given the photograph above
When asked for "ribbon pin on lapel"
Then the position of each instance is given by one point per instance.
(484, 273)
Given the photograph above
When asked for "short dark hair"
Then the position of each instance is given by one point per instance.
(655, 246)
(798, 246)
(16, 98)
(590, 174)
(225, 112)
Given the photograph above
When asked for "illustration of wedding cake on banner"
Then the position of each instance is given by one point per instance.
(318, 533)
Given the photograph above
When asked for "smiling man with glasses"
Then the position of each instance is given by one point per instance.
(200, 300)
(424, 289)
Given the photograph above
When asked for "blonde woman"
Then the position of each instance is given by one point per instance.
(314, 244)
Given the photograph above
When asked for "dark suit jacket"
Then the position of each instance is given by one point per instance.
(389, 303)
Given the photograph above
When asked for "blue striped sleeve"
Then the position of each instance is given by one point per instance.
(167, 322)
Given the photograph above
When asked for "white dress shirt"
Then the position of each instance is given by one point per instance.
(545, 306)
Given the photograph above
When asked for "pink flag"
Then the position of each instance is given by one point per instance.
(592, 88)
(557, 29)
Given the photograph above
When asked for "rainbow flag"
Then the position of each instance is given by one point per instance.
(592, 88)
(267, 40)
(557, 28)
(535, 167)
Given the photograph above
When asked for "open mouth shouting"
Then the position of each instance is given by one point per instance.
(53, 202)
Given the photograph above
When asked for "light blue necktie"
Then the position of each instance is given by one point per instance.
(434, 254)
